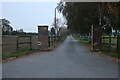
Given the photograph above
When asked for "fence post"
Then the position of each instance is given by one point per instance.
(30, 42)
(109, 42)
(17, 43)
(118, 44)
(49, 40)
(0, 41)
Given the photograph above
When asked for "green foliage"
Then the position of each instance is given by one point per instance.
(52, 31)
(80, 16)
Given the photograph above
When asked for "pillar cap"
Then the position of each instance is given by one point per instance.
(42, 25)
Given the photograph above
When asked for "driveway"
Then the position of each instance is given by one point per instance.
(69, 60)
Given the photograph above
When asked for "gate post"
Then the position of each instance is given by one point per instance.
(118, 44)
(96, 37)
(0, 40)
(43, 43)
(1, 47)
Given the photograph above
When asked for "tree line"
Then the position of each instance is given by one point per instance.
(81, 15)
(8, 30)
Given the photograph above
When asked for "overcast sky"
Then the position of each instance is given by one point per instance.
(27, 15)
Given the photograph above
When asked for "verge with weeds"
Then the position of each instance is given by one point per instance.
(104, 52)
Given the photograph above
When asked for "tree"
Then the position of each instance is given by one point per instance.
(6, 27)
(58, 25)
(113, 10)
(80, 16)
(52, 31)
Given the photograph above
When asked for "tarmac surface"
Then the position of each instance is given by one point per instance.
(69, 60)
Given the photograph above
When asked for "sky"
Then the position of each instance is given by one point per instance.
(27, 15)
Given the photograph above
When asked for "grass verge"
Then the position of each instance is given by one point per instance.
(83, 42)
(18, 54)
(104, 52)
(110, 53)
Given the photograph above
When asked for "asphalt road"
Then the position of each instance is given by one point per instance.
(69, 60)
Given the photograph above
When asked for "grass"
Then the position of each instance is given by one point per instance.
(17, 54)
(83, 42)
(111, 53)
(104, 51)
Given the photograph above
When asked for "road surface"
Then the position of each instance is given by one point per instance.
(69, 60)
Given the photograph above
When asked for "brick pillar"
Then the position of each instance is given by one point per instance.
(96, 38)
(43, 37)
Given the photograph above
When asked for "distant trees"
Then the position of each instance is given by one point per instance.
(56, 25)
(8, 30)
(80, 16)
(6, 27)
(63, 31)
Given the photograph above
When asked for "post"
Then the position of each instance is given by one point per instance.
(0, 41)
(118, 44)
(17, 43)
(30, 42)
(1, 47)
(109, 42)
(49, 40)
(43, 43)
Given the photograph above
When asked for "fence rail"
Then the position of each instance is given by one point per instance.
(53, 40)
(111, 43)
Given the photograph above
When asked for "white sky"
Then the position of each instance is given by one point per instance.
(29, 0)
(27, 15)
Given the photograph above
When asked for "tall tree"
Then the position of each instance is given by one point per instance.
(6, 27)
(80, 16)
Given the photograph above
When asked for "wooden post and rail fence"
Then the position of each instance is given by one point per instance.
(111, 43)
(107, 43)
(11, 43)
(53, 40)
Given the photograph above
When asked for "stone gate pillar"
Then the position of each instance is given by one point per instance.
(43, 37)
(96, 37)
